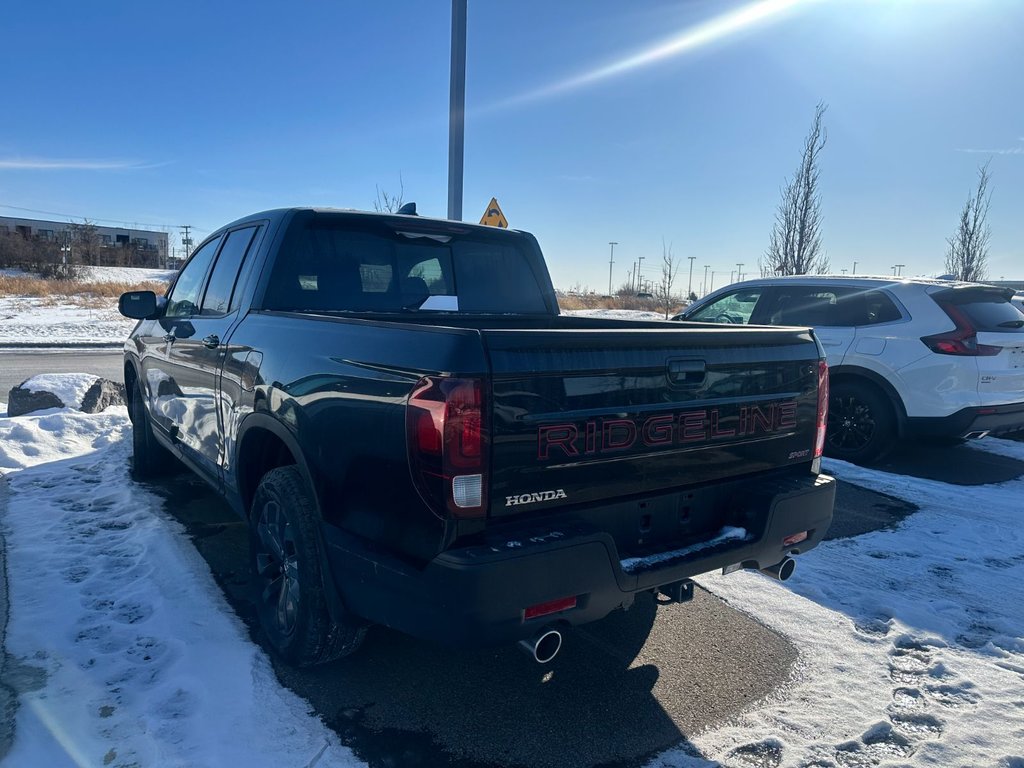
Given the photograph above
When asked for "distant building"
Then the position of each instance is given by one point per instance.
(149, 248)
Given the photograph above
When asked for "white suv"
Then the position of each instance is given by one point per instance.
(907, 357)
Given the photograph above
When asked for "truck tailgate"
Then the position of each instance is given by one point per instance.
(603, 415)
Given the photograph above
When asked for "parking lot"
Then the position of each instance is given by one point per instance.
(608, 699)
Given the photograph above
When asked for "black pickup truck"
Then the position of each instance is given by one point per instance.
(419, 439)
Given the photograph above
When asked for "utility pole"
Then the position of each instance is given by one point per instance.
(186, 239)
(739, 271)
(639, 281)
(689, 285)
(706, 289)
(712, 282)
(611, 260)
(457, 111)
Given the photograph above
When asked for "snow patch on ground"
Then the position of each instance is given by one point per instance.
(728, 533)
(616, 314)
(59, 321)
(70, 388)
(140, 660)
(911, 640)
(131, 275)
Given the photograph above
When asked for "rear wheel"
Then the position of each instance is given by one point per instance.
(286, 557)
(861, 425)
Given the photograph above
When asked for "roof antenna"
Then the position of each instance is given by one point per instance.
(409, 209)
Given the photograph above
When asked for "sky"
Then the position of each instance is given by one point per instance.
(652, 124)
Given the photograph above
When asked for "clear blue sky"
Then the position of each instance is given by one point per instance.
(187, 112)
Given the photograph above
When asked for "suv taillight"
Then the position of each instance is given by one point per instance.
(819, 440)
(449, 444)
(963, 340)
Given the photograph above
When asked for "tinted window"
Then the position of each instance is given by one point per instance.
(810, 305)
(734, 307)
(990, 312)
(875, 307)
(329, 265)
(222, 280)
(184, 298)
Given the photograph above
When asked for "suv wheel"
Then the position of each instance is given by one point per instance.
(861, 426)
(286, 556)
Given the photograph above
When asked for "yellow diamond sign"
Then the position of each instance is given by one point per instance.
(493, 217)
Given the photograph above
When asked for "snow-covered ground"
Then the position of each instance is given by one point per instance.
(60, 321)
(617, 314)
(911, 640)
(140, 660)
(129, 275)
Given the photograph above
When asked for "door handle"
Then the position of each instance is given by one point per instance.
(212, 341)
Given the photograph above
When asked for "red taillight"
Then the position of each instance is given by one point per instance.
(552, 606)
(963, 340)
(819, 440)
(448, 441)
(795, 538)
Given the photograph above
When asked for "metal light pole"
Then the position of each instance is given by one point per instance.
(457, 110)
(689, 285)
(639, 266)
(739, 271)
(611, 260)
(706, 289)
(854, 268)
(899, 270)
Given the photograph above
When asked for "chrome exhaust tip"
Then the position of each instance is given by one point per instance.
(543, 646)
(782, 570)
(977, 435)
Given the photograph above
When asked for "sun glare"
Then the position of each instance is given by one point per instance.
(693, 37)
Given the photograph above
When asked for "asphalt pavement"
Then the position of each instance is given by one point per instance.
(17, 365)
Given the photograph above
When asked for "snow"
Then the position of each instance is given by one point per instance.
(140, 659)
(911, 640)
(69, 388)
(636, 564)
(60, 321)
(130, 275)
(616, 314)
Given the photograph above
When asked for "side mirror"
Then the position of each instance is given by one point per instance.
(138, 305)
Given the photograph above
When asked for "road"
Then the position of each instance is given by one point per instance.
(16, 365)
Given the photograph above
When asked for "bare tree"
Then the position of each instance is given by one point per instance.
(386, 203)
(86, 242)
(669, 270)
(795, 246)
(967, 255)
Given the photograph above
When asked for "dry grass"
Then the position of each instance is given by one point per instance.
(593, 301)
(23, 285)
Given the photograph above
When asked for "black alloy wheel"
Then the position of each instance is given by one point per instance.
(861, 426)
(277, 568)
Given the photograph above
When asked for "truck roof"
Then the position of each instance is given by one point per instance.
(280, 213)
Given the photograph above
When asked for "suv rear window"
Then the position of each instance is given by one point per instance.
(987, 310)
(336, 265)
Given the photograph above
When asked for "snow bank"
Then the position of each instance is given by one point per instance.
(911, 641)
(142, 662)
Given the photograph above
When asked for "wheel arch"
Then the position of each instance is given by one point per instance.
(264, 443)
(849, 373)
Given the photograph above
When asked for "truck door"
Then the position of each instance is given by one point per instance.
(197, 357)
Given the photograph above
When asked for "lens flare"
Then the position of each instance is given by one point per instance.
(691, 38)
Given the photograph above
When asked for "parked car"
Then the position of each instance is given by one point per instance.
(417, 438)
(1018, 300)
(907, 356)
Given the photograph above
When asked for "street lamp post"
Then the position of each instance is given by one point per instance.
(705, 289)
(689, 285)
(457, 110)
(611, 260)
(739, 271)
(639, 277)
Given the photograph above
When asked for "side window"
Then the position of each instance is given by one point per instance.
(184, 298)
(217, 300)
(811, 305)
(736, 307)
(875, 307)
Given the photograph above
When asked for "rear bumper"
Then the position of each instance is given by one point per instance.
(476, 596)
(991, 419)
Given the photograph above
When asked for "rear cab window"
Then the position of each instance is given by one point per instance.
(338, 264)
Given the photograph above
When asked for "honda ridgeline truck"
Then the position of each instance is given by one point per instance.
(417, 438)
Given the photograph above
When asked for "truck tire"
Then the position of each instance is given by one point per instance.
(861, 425)
(149, 458)
(286, 556)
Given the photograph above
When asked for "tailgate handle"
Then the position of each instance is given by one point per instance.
(688, 373)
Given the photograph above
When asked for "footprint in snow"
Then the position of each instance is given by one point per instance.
(762, 754)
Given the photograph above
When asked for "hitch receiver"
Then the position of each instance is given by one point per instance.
(678, 591)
